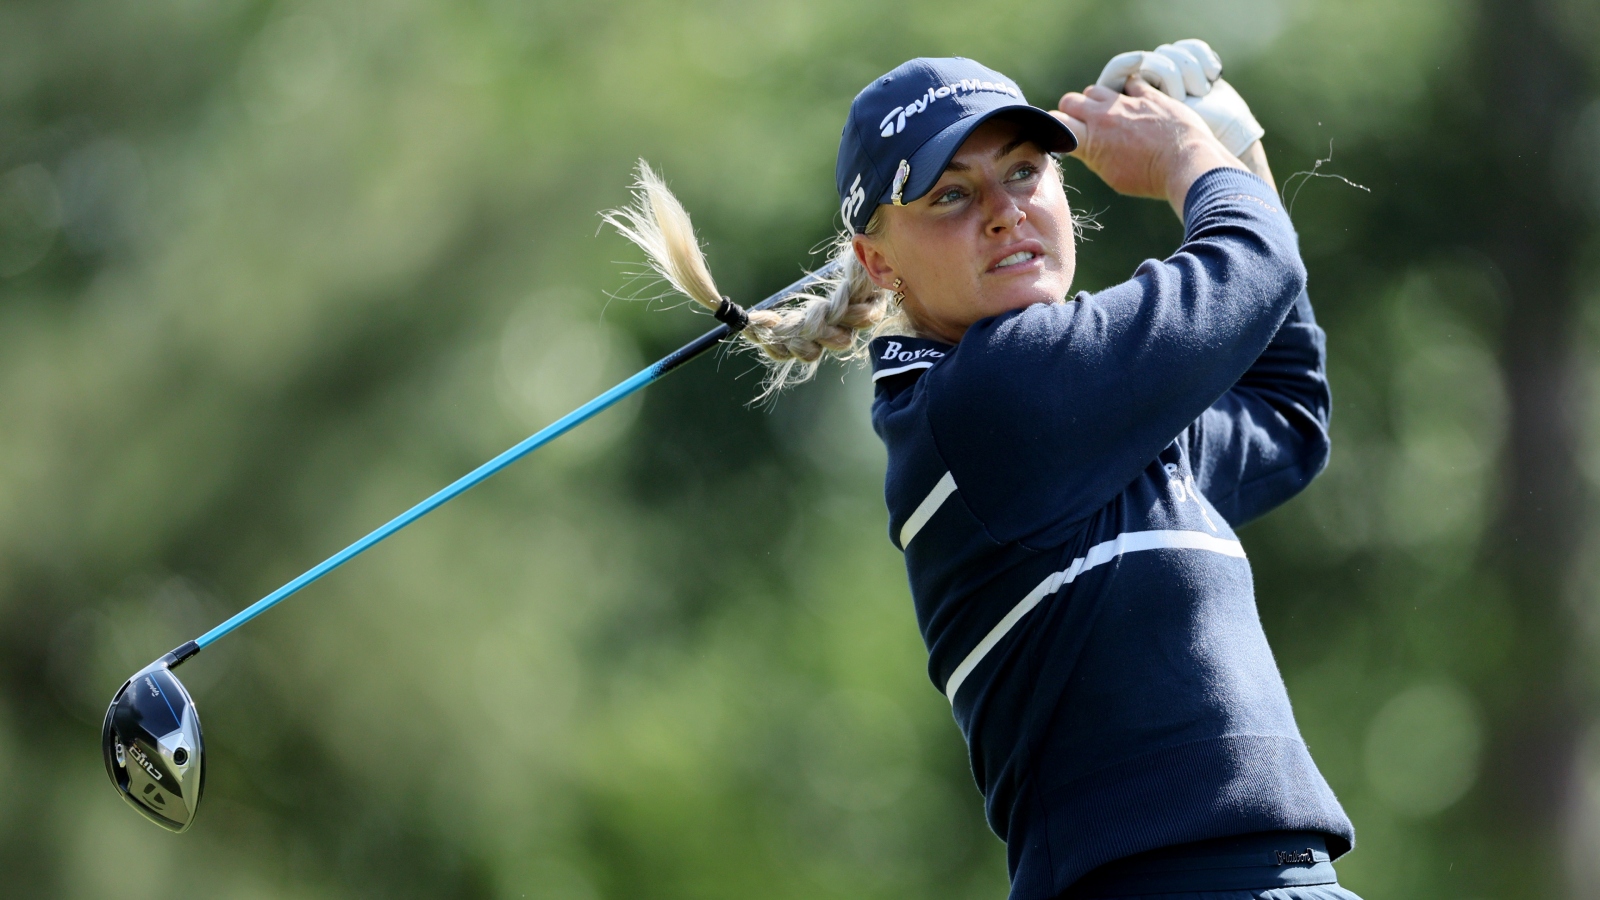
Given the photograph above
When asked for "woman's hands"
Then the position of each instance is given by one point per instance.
(1190, 71)
(1142, 142)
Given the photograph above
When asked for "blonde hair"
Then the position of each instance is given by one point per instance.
(835, 317)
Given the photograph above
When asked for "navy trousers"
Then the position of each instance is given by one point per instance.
(1285, 865)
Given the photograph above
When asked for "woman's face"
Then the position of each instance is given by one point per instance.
(994, 234)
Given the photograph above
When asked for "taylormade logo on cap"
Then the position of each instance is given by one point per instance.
(895, 121)
(905, 126)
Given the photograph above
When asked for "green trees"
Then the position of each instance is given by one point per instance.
(271, 273)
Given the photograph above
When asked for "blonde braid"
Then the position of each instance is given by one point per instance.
(836, 319)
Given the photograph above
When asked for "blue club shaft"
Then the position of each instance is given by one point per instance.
(456, 488)
(549, 433)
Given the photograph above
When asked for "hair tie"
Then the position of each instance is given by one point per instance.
(732, 315)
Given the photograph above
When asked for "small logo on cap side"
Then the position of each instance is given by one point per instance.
(853, 198)
(900, 176)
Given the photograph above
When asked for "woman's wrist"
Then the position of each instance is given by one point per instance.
(1254, 158)
(1196, 157)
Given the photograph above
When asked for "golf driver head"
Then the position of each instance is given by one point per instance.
(153, 749)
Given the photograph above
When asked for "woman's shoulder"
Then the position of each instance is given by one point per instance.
(1013, 348)
(899, 364)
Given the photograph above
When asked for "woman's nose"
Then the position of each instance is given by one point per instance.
(1004, 212)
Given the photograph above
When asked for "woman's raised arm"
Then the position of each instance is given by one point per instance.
(1090, 391)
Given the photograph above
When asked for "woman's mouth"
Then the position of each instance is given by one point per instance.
(1016, 259)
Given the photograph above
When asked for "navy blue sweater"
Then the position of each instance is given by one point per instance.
(1064, 483)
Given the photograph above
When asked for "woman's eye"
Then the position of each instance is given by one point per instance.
(1024, 172)
(948, 195)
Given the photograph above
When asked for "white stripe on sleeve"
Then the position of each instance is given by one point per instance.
(885, 373)
(1098, 555)
(925, 510)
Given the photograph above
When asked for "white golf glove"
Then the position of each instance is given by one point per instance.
(1189, 70)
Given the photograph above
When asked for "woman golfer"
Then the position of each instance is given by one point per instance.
(1066, 471)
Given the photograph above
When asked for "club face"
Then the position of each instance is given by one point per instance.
(153, 749)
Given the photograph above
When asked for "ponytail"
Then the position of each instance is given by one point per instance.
(835, 317)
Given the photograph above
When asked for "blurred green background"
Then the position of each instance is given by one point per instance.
(270, 272)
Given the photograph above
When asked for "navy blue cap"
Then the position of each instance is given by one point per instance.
(905, 126)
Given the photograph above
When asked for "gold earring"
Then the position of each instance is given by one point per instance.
(899, 295)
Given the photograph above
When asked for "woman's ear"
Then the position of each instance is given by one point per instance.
(874, 261)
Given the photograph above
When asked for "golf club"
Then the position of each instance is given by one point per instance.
(151, 738)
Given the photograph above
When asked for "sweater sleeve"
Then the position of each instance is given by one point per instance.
(1267, 437)
(1046, 413)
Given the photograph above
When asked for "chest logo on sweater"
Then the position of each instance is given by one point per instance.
(894, 351)
(1183, 491)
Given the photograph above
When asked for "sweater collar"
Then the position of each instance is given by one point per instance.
(899, 355)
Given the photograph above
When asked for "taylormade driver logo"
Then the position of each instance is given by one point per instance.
(894, 351)
(895, 121)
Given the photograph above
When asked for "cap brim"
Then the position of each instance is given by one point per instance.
(929, 161)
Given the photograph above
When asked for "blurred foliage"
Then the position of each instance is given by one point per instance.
(272, 272)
